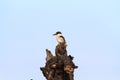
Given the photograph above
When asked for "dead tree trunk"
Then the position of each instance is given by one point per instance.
(60, 66)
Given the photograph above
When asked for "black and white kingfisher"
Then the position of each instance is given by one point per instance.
(60, 39)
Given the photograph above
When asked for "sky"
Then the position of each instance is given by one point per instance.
(90, 27)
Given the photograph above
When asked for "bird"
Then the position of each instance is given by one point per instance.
(59, 37)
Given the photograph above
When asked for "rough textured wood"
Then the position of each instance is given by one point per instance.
(60, 66)
(49, 55)
(60, 50)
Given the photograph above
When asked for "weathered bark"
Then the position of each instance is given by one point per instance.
(60, 50)
(60, 66)
(49, 55)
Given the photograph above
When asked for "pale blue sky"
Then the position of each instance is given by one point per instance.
(91, 29)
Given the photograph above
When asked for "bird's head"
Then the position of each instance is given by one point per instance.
(58, 33)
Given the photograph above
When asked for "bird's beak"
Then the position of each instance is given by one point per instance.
(54, 34)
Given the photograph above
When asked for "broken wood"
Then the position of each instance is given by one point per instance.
(60, 66)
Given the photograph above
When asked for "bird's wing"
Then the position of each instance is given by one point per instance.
(62, 38)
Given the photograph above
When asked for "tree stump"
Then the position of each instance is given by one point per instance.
(60, 66)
